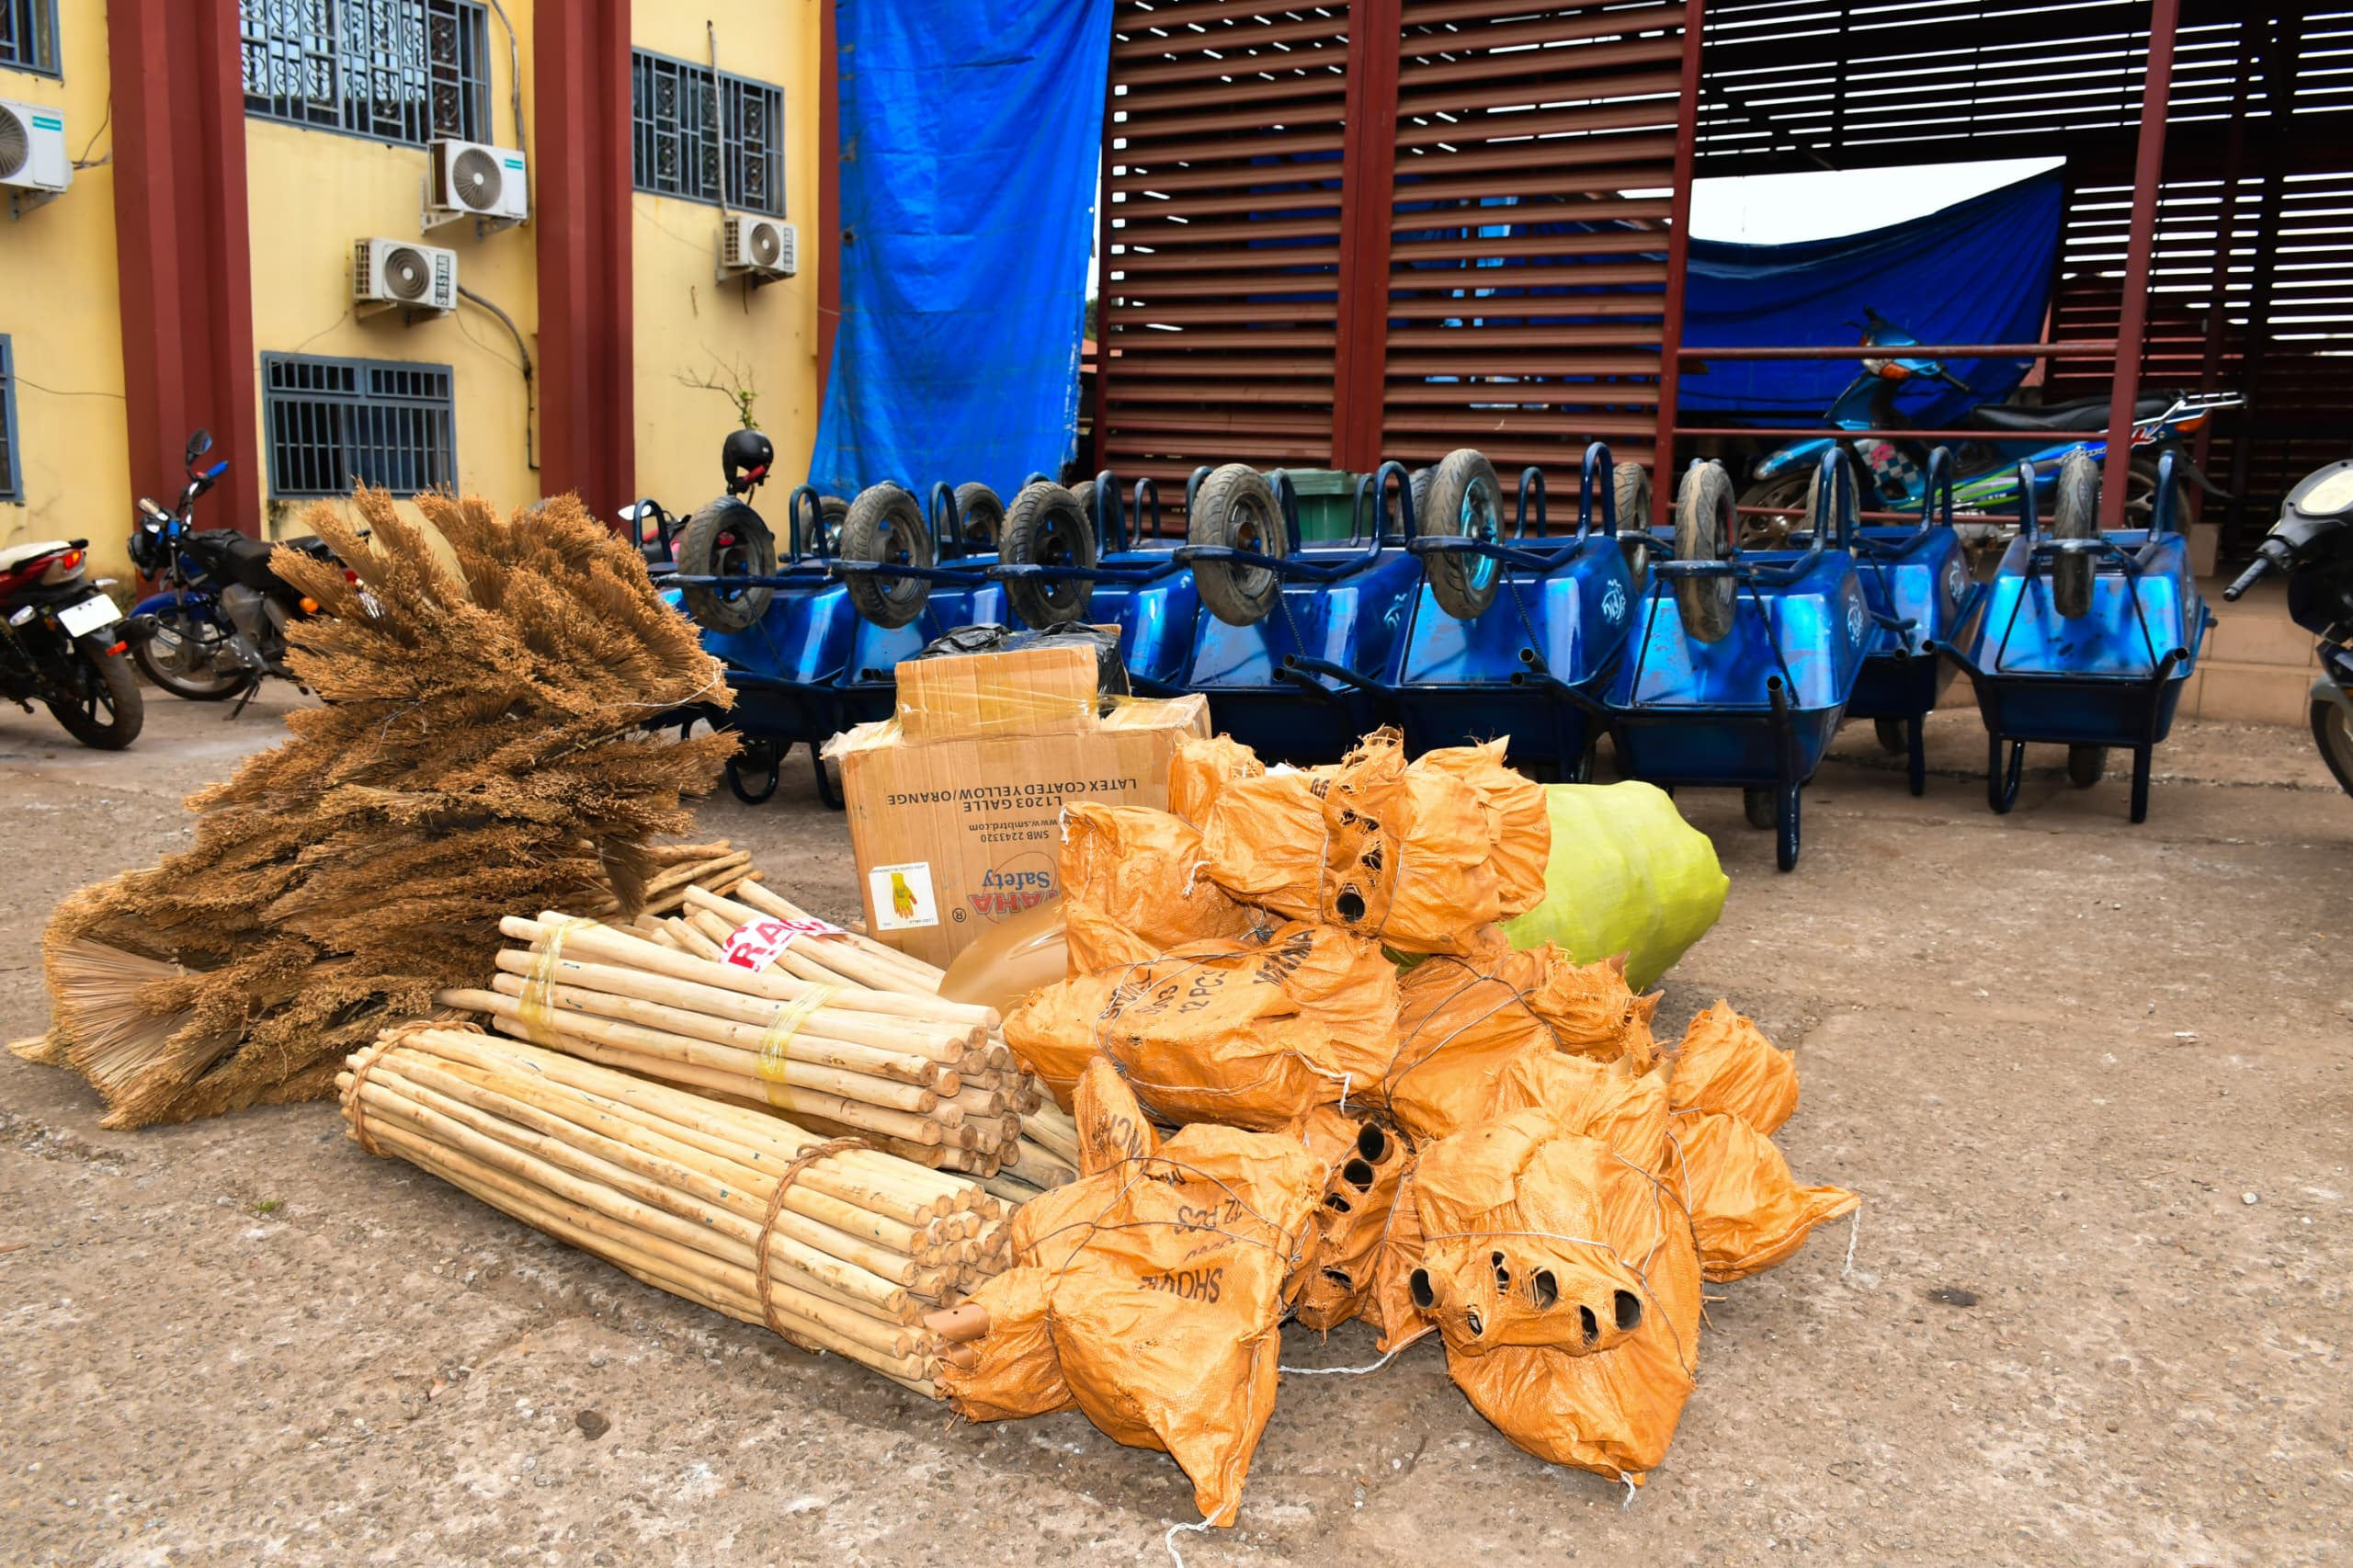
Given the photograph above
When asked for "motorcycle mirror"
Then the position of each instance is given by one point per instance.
(197, 445)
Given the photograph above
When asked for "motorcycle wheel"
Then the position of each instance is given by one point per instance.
(194, 645)
(2141, 495)
(107, 713)
(2333, 732)
(1789, 490)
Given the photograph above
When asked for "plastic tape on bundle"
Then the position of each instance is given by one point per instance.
(538, 1000)
(781, 1031)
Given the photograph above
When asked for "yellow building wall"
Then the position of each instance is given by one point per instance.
(61, 307)
(309, 194)
(691, 328)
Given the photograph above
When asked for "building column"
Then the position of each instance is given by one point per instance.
(182, 245)
(580, 141)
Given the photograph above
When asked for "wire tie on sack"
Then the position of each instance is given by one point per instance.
(787, 1023)
(536, 1004)
(1344, 1371)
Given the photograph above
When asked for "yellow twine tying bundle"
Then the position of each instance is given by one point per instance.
(781, 1031)
(537, 1003)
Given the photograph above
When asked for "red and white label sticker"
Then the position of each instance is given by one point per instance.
(754, 944)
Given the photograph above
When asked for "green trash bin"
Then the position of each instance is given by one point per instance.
(1326, 499)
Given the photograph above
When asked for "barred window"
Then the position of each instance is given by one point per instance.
(12, 484)
(705, 135)
(402, 71)
(28, 35)
(335, 423)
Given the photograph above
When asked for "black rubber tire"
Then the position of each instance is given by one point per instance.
(221, 686)
(983, 516)
(1792, 487)
(2074, 514)
(833, 511)
(1084, 494)
(1417, 484)
(1047, 527)
(1761, 807)
(2333, 732)
(111, 719)
(1829, 522)
(1630, 487)
(1703, 532)
(1464, 499)
(726, 539)
(2141, 494)
(2087, 766)
(886, 524)
(760, 760)
(1236, 507)
(1895, 735)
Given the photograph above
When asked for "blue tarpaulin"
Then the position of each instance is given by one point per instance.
(970, 135)
(1976, 272)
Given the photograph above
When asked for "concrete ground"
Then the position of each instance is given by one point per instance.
(2093, 1080)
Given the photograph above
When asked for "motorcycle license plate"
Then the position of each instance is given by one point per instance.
(80, 619)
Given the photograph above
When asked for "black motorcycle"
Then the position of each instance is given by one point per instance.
(216, 626)
(2312, 544)
(61, 644)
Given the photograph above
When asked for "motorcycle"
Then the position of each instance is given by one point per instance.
(2312, 545)
(1985, 471)
(61, 645)
(217, 627)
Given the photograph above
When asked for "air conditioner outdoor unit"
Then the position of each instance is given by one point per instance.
(32, 149)
(481, 181)
(759, 247)
(403, 273)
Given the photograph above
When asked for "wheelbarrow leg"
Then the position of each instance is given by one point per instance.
(1785, 847)
(2001, 784)
(2141, 756)
(826, 791)
(753, 786)
(1915, 739)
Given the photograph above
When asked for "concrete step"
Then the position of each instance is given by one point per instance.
(2258, 666)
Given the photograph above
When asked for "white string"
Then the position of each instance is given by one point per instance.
(1169, 1541)
(1853, 1230)
(1341, 1371)
(1629, 1481)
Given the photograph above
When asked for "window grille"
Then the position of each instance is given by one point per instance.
(404, 71)
(336, 424)
(28, 35)
(705, 135)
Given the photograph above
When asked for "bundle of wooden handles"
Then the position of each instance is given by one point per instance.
(840, 1034)
(834, 1245)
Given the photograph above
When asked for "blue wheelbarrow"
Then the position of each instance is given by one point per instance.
(1741, 664)
(1068, 558)
(1291, 643)
(1518, 638)
(784, 666)
(911, 575)
(2088, 637)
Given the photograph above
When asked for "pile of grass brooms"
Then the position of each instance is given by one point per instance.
(482, 748)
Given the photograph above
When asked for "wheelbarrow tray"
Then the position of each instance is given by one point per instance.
(1155, 619)
(1928, 586)
(782, 668)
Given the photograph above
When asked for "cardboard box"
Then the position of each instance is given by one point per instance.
(960, 828)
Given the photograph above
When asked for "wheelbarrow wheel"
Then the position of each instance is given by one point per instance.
(1630, 487)
(983, 516)
(1895, 735)
(2087, 766)
(1235, 509)
(726, 539)
(1785, 843)
(1463, 501)
(752, 773)
(832, 512)
(885, 524)
(1761, 807)
(1046, 526)
(1703, 532)
(2074, 514)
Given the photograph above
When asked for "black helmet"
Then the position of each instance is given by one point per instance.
(746, 459)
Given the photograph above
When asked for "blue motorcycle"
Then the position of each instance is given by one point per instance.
(1985, 472)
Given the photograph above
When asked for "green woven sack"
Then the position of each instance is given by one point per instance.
(1627, 875)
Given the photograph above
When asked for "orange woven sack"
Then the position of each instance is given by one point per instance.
(1133, 888)
(1463, 1018)
(1566, 1286)
(1725, 1063)
(1519, 818)
(1201, 767)
(1748, 1211)
(1406, 855)
(1148, 1295)
(1249, 1031)
(1388, 1305)
(1364, 1163)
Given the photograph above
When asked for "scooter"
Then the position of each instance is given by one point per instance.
(1985, 471)
(217, 627)
(61, 644)
(2312, 544)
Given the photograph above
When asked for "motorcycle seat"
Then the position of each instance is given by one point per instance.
(18, 554)
(237, 557)
(2082, 414)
